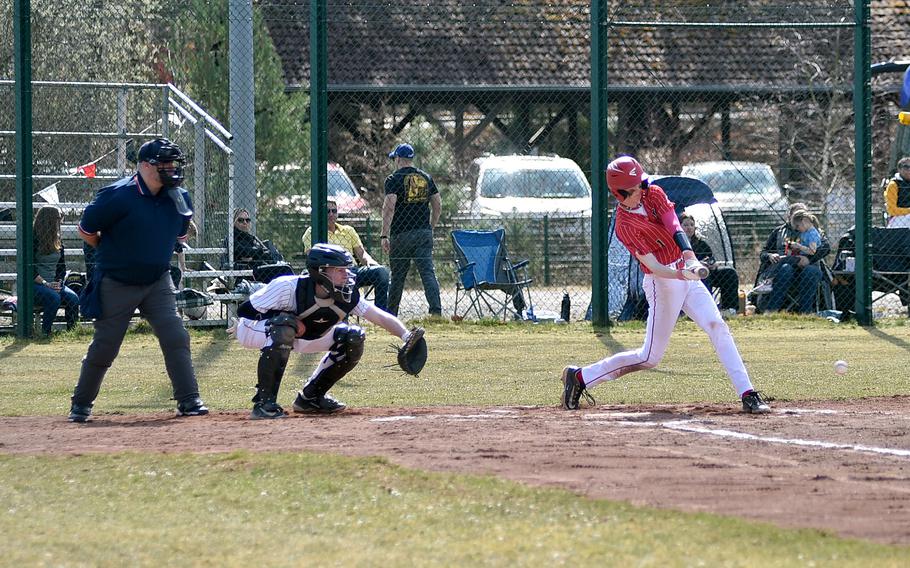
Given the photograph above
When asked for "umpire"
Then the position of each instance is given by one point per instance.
(133, 226)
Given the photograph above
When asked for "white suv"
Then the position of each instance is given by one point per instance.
(528, 186)
(740, 185)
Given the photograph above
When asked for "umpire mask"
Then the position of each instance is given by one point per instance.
(167, 158)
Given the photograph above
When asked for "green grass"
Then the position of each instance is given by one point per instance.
(309, 509)
(790, 358)
(306, 510)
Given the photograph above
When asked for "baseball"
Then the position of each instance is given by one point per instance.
(840, 367)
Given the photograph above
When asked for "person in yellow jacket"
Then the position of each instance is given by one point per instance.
(897, 196)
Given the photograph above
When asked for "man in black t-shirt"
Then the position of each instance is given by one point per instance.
(409, 214)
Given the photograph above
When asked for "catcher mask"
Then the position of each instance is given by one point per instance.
(322, 256)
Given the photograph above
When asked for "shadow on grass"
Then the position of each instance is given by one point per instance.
(605, 336)
(900, 343)
(14, 348)
(209, 354)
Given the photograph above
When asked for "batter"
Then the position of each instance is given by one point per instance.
(647, 225)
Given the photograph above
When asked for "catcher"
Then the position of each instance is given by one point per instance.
(307, 314)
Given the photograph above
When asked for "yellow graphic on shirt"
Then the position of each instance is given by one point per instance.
(416, 188)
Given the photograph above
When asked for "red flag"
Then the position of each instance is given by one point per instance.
(87, 169)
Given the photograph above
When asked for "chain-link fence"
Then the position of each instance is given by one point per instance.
(754, 99)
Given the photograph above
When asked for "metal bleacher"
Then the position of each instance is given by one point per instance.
(126, 115)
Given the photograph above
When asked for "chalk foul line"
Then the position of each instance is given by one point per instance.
(690, 426)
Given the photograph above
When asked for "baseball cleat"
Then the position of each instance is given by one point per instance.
(192, 407)
(572, 390)
(266, 411)
(319, 404)
(753, 403)
(80, 413)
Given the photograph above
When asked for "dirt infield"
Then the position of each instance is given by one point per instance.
(835, 465)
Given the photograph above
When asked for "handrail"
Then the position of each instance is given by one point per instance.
(104, 85)
(208, 118)
(9, 252)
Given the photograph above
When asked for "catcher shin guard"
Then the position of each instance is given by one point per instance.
(343, 356)
(272, 363)
(274, 358)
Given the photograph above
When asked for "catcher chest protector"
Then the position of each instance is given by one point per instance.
(338, 362)
(319, 321)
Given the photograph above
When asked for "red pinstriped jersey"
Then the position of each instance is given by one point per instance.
(643, 234)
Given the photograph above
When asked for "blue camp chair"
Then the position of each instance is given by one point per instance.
(486, 277)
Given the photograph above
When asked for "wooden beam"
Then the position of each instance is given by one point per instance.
(403, 123)
(545, 130)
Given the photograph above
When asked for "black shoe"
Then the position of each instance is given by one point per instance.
(321, 404)
(266, 410)
(753, 403)
(572, 390)
(192, 407)
(80, 413)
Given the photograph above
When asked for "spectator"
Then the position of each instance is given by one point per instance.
(249, 251)
(409, 214)
(897, 196)
(368, 271)
(50, 270)
(809, 237)
(805, 272)
(724, 277)
(134, 224)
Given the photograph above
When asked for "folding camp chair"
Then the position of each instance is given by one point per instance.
(486, 277)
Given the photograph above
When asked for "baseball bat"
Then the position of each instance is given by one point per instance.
(702, 271)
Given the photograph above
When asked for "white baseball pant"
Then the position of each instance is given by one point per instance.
(666, 297)
(252, 334)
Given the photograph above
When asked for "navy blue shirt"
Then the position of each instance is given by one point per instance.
(138, 230)
(414, 188)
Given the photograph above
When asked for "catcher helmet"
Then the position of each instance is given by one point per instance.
(624, 173)
(322, 256)
(162, 151)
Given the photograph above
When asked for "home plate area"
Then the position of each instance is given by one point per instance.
(841, 466)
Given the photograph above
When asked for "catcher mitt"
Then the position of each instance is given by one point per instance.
(412, 356)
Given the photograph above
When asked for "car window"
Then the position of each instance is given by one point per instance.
(558, 183)
(339, 184)
(759, 181)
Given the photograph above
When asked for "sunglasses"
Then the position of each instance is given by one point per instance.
(243, 219)
(905, 167)
(333, 211)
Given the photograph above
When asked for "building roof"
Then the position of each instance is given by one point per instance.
(545, 44)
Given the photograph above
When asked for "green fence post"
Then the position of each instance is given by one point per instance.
(319, 145)
(599, 153)
(25, 254)
(862, 111)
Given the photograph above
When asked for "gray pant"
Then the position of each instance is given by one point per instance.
(156, 303)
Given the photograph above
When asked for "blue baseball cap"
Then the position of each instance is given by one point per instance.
(402, 151)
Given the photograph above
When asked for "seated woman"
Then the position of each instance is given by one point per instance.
(249, 251)
(50, 270)
(724, 277)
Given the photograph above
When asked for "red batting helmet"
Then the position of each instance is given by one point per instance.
(624, 173)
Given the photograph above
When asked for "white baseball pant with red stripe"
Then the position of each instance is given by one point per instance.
(666, 297)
